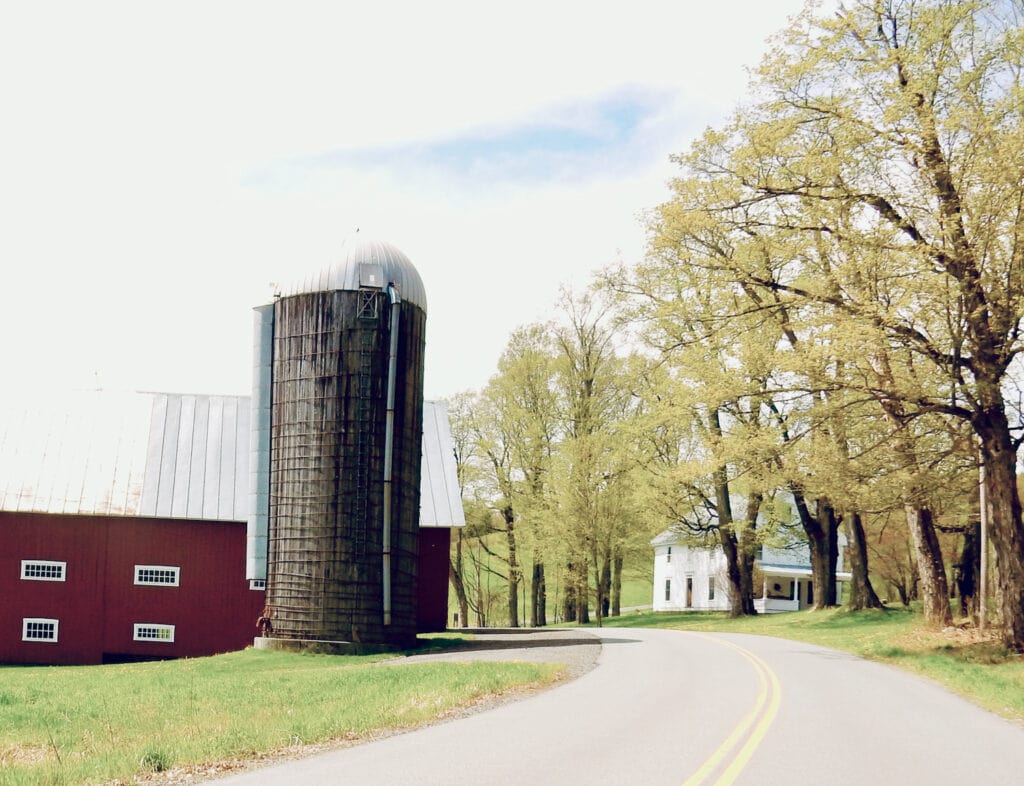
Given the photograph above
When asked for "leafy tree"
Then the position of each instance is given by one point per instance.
(595, 461)
(882, 167)
(505, 435)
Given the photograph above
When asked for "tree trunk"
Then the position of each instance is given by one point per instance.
(967, 570)
(738, 570)
(862, 594)
(481, 612)
(538, 597)
(582, 592)
(606, 585)
(480, 609)
(617, 586)
(1005, 529)
(747, 557)
(931, 567)
(569, 600)
(458, 582)
(513, 568)
(901, 590)
(823, 543)
(598, 565)
(733, 572)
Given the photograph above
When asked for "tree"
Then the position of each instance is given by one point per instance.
(884, 162)
(748, 358)
(460, 408)
(705, 414)
(593, 486)
(514, 431)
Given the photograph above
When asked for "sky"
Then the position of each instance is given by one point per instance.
(162, 165)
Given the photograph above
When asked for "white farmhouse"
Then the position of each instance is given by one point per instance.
(688, 577)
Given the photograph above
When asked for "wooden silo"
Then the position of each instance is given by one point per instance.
(345, 434)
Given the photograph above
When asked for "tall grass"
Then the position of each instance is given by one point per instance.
(97, 724)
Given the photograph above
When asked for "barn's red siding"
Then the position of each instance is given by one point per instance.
(213, 609)
(432, 577)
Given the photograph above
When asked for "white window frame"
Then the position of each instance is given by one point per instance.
(138, 627)
(258, 584)
(40, 621)
(174, 569)
(26, 564)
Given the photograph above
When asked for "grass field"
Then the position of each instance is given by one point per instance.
(976, 667)
(116, 724)
(103, 724)
(637, 590)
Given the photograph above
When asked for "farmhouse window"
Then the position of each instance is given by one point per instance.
(151, 631)
(38, 629)
(668, 589)
(711, 587)
(159, 575)
(43, 570)
(668, 555)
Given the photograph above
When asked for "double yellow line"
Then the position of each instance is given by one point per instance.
(732, 755)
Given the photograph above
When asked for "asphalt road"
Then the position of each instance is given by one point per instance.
(668, 707)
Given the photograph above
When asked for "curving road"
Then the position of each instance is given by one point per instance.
(670, 707)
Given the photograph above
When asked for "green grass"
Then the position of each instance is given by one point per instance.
(98, 724)
(977, 668)
(636, 591)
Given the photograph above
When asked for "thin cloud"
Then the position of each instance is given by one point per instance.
(570, 143)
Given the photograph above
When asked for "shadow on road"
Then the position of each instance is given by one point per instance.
(511, 639)
(494, 639)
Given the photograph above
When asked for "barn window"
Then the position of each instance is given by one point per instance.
(43, 570)
(160, 575)
(151, 631)
(38, 629)
(257, 584)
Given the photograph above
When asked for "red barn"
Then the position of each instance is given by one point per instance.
(123, 527)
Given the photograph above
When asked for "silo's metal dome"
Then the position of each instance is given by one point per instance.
(357, 254)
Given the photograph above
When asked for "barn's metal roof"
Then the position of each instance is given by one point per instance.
(164, 455)
(440, 500)
(349, 272)
(126, 454)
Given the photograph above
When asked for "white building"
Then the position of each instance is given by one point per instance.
(693, 578)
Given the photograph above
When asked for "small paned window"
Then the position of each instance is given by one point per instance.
(39, 629)
(257, 584)
(43, 570)
(668, 555)
(151, 631)
(711, 587)
(668, 589)
(158, 575)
